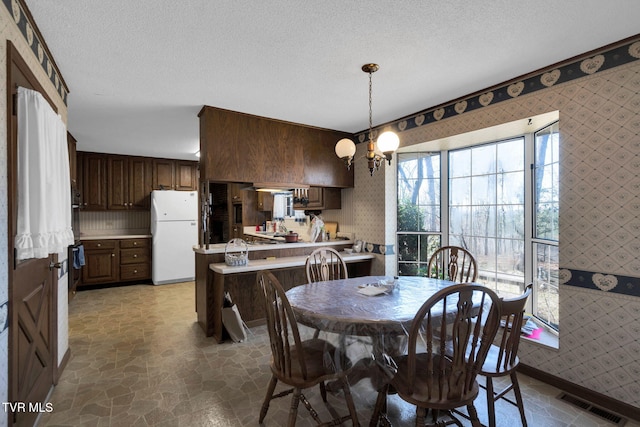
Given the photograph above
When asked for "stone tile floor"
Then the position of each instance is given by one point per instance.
(138, 358)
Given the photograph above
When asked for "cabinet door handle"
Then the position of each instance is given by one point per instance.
(99, 245)
(135, 271)
(135, 255)
(135, 243)
(113, 255)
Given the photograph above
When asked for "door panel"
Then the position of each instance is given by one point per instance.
(32, 285)
(163, 174)
(139, 183)
(33, 318)
(117, 187)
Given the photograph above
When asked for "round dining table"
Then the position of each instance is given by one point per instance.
(346, 306)
(352, 307)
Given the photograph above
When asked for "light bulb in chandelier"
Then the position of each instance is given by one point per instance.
(346, 149)
(388, 142)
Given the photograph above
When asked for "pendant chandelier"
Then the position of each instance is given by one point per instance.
(388, 142)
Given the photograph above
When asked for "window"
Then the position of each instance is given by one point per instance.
(418, 211)
(544, 243)
(486, 205)
(499, 201)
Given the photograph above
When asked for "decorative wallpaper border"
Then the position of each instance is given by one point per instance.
(377, 248)
(602, 282)
(582, 67)
(38, 47)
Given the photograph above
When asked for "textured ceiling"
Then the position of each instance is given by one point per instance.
(139, 71)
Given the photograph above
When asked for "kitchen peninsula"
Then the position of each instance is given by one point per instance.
(285, 260)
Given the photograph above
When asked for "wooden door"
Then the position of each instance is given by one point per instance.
(102, 262)
(315, 197)
(32, 285)
(33, 316)
(186, 176)
(265, 201)
(163, 174)
(139, 183)
(94, 182)
(117, 183)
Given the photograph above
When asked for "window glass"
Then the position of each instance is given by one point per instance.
(546, 228)
(459, 164)
(488, 186)
(418, 211)
(545, 290)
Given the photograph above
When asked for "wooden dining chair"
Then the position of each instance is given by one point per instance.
(441, 375)
(325, 264)
(502, 359)
(296, 363)
(453, 263)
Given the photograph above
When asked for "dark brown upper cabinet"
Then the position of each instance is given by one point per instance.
(129, 183)
(321, 198)
(73, 161)
(164, 174)
(186, 175)
(238, 147)
(117, 182)
(94, 181)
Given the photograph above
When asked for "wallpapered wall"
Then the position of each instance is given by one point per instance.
(599, 103)
(14, 27)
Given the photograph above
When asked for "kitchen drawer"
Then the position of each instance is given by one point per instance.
(99, 244)
(134, 243)
(134, 256)
(134, 272)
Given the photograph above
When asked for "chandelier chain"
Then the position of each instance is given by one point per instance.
(370, 109)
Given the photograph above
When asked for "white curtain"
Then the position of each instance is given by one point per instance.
(44, 194)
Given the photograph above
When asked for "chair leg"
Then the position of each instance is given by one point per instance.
(421, 415)
(293, 410)
(516, 392)
(323, 391)
(380, 407)
(267, 399)
(316, 334)
(473, 415)
(491, 402)
(349, 399)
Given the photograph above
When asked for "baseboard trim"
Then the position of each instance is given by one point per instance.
(607, 402)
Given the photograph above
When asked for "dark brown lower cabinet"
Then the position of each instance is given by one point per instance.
(135, 259)
(101, 262)
(116, 260)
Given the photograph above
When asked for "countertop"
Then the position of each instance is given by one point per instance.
(292, 261)
(219, 248)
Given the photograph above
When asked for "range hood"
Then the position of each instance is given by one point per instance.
(272, 187)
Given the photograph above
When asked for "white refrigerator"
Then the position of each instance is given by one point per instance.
(174, 231)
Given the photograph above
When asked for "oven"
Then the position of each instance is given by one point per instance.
(76, 250)
(75, 214)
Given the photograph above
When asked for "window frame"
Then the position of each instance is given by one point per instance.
(529, 206)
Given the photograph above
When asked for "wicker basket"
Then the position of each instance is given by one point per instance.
(236, 253)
